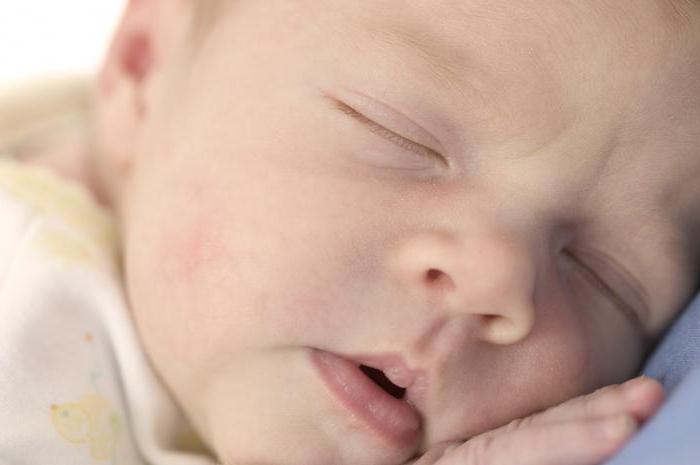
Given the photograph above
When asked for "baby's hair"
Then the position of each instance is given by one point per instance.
(204, 17)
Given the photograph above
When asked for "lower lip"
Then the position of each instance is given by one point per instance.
(393, 419)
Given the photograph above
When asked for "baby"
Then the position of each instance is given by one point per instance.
(364, 232)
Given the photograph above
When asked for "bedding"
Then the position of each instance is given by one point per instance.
(671, 437)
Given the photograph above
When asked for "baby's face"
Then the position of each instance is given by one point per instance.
(490, 201)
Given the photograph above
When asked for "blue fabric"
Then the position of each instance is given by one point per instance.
(679, 351)
(671, 436)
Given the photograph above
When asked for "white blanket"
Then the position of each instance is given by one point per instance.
(75, 387)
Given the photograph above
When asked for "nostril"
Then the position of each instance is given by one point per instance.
(433, 275)
(383, 382)
(438, 279)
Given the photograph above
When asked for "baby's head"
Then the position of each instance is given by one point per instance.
(490, 201)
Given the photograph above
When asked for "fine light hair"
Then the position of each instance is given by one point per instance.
(205, 15)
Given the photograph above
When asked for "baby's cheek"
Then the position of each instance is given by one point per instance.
(191, 242)
(188, 251)
(558, 361)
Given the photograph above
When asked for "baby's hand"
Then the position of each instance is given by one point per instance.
(582, 431)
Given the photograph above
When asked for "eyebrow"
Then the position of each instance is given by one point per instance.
(475, 87)
(439, 59)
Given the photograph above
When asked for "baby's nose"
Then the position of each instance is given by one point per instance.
(487, 275)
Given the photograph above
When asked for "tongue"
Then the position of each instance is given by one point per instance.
(383, 382)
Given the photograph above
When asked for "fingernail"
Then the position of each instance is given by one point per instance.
(620, 426)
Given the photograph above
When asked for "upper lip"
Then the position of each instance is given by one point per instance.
(368, 395)
(399, 373)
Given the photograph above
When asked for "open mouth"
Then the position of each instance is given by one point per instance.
(370, 396)
(383, 382)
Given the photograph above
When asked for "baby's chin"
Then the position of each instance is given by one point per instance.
(273, 408)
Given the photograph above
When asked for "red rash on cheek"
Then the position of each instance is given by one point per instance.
(195, 251)
(193, 241)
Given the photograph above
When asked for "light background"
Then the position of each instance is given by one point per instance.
(40, 37)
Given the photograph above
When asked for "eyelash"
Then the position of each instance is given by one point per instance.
(598, 283)
(390, 135)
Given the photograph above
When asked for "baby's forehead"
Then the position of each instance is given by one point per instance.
(487, 40)
(452, 23)
(528, 57)
(546, 16)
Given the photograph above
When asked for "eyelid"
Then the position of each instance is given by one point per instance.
(388, 134)
(630, 311)
(369, 111)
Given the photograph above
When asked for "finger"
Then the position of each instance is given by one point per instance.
(640, 397)
(587, 442)
(436, 452)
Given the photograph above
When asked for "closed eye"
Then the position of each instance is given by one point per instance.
(601, 286)
(388, 134)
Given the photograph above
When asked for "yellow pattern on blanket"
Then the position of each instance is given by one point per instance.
(91, 421)
(50, 195)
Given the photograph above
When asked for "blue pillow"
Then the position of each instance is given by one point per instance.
(671, 436)
(679, 351)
